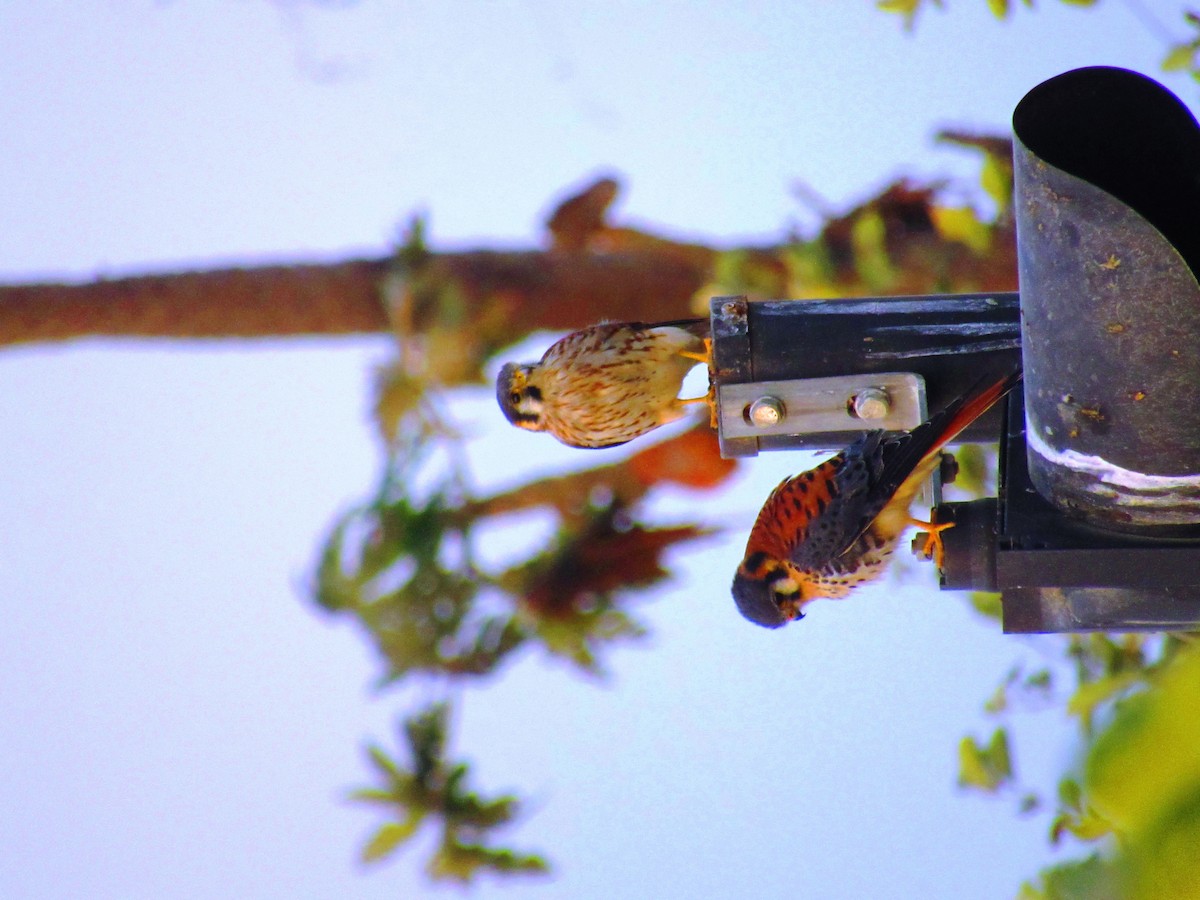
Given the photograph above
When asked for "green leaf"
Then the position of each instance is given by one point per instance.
(374, 795)
(906, 8)
(998, 702)
(1147, 758)
(1180, 57)
(1089, 827)
(389, 836)
(334, 590)
(1089, 696)
(995, 177)
(1086, 879)
(868, 237)
(999, 8)
(961, 225)
(1070, 795)
(1162, 860)
(461, 862)
(985, 768)
(1042, 681)
(384, 763)
(987, 604)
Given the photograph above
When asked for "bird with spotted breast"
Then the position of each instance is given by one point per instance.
(607, 384)
(826, 531)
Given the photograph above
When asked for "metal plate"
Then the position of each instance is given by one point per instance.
(821, 405)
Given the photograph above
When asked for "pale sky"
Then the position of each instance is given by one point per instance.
(180, 722)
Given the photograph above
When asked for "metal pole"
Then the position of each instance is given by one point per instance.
(1108, 226)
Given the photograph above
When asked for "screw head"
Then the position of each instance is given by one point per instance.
(766, 411)
(871, 403)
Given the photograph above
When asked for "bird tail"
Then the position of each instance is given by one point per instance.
(978, 399)
(911, 457)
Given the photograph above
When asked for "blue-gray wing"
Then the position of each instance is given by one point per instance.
(854, 502)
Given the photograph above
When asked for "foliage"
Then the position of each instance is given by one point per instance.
(1181, 56)
(431, 788)
(405, 567)
(405, 564)
(1133, 699)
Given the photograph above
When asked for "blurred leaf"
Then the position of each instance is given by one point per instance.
(426, 735)
(810, 271)
(397, 394)
(1042, 680)
(435, 788)
(987, 604)
(377, 796)
(1180, 57)
(334, 589)
(1089, 696)
(906, 8)
(693, 459)
(868, 238)
(385, 764)
(610, 553)
(1159, 725)
(1162, 862)
(998, 702)
(1070, 795)
(996, 178)
(1085, 825)
(986, 768)
(462, 862)
(580, 217)
(960, 224)
(578, 637)
(387, 838)
(1088, 879)
(999, 8)
(975, 468)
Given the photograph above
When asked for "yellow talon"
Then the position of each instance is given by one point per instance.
(934, 547)
(699, 357)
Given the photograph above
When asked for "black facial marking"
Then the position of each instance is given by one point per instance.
(754, 561)
(534, 393)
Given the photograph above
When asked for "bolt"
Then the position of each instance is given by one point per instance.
(871, 403)
(766, 411)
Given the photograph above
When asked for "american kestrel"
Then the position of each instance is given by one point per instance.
(606, 384)
(826, 531)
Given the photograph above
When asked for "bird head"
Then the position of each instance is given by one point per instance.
(767, 592)
(519, 398)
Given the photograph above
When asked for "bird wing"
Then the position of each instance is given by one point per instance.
(902, 455)
(841, 501)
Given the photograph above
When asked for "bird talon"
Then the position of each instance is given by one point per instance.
(705, 357)
(935, 547)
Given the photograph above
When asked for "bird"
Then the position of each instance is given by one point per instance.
(606, 384)
(826, 531)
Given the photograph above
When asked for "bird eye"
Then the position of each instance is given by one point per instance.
(514, 398)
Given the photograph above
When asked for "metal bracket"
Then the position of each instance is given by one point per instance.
(835, 409)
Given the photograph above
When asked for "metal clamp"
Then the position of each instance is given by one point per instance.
(820, 409)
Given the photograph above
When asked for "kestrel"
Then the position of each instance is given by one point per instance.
(826, 531)
(606, 384)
